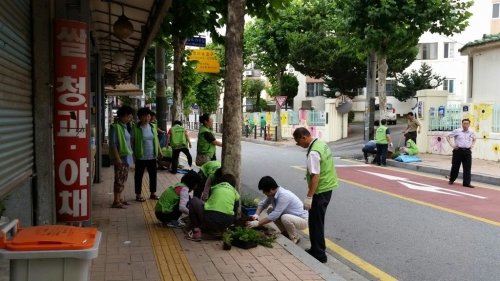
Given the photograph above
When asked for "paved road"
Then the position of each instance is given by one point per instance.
(387, 224)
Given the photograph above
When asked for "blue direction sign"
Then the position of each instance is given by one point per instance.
(196, 42)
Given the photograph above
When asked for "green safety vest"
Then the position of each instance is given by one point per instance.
(123, 148)
(168, 199)
(222, 198)
(178, 136)
(412, 147)
(138, 140)
(328, 179)
(381, 136)
(205, 147)
(167, 152)
(210, 167)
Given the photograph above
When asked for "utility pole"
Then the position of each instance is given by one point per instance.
(371, 86)
(161, 96)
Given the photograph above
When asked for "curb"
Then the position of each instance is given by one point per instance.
(322, 270)
(487, 179)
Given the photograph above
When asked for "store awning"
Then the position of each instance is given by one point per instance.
(139, 23)
(123, 90)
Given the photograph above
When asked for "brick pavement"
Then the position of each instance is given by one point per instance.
(135, 247)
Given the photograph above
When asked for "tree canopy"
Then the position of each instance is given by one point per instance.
(408, 83)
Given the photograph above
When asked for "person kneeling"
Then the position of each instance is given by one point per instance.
(174, 200)
(218, 213)
(288, 210)
(411, 147)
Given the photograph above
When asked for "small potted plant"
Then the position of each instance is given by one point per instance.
(245, 238)
(226, 239)
(249, 204)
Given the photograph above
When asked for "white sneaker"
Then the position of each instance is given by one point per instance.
(176, 224)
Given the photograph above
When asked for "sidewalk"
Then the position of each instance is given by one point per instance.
(135, 247)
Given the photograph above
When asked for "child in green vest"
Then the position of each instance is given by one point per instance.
(174, 200)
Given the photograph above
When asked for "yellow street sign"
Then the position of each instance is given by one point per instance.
(207, 62)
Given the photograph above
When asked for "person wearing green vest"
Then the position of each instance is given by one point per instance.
(120, 153)
(262, 126)
(209, 173)
(218, 213)
(179, 141)
(146, 148)
(155, 121)
(251, 125)
(321, 179)
(205, 150)
(383, 140)
(174, 201)
(166, 161)
(411, 147)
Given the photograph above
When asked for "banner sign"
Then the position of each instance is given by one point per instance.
(207, 61)
(71, 140)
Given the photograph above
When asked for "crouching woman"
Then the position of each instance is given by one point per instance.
(174, 200)
(411, 147)
(218, 213)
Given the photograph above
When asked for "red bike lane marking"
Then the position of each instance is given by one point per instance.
(479, 202)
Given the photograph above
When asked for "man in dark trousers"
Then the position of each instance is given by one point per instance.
(463, 141)
(179, 141)
(321, 179)
(383, 140)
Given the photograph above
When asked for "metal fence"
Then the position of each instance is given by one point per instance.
(255, 133)
(495, 126)
(316, 118)
(448, 121)
(293, 118)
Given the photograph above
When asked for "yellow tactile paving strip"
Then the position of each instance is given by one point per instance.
(170, 258)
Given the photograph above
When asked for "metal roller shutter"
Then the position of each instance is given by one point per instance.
(16, 107)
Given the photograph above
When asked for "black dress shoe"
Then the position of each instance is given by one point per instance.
(323, 260)
(468, 185)
(450, 182)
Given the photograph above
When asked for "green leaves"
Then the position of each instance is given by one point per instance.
(415, 81)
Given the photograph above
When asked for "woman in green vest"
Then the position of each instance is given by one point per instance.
(218, 213)
(166, 161)
(209, 173)
(175, 199)
(120, 152)
(411, 147)
(206, 141)
(146, 148)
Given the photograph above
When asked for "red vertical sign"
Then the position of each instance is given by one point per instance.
(71, 124)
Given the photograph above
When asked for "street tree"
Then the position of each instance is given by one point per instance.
(266, 41)
(207, 93)
(183, 20)
(408, 83)
(381, 27)
(231, 139)
(252, 89)
(289, 88)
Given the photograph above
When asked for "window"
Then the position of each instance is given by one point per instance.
(449, 50)
(314, 89)
(389, 88)
(427, 51)
(449, 85)
(496, 10)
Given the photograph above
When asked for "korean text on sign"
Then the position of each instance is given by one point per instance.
(71, 121)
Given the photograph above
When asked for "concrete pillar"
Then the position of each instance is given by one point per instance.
(426, 100)
(336, 127)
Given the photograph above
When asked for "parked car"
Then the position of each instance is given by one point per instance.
(390, 115)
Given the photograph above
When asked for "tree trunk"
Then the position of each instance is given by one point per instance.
(382, 74)
(161, 97)
(179, 44)
(278, 109)
(231, 139)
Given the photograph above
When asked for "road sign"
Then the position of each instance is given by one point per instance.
(280, 100)
(196, 42)
(170, 101)
(207, 61)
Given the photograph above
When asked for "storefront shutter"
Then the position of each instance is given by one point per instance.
(16, 107)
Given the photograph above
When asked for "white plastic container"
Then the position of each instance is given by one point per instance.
(45, 264)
